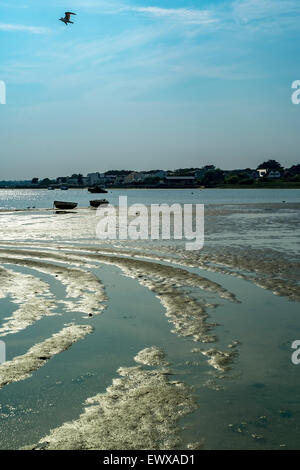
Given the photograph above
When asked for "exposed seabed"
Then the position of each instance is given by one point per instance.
(96, 331)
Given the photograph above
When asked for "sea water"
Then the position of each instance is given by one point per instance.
(43, 198)
(247, 299)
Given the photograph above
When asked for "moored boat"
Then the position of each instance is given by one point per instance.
(96, 189)
(99, 202)
(65, 205)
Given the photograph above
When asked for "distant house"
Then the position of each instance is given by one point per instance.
(262, 172)
(268, 173)
(156, 174)
(85, 181)
(110, 179)
(72, 181)
(180, 180)
(95, 178)
(135, 177)
(120, 179)
(62, 179)
(274, 174)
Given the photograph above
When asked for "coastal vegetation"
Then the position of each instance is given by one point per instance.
(268, 174)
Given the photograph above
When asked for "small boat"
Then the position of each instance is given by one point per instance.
(64, 188)
(50, 188)
(96, 189)
(99, 202)
(65, 205)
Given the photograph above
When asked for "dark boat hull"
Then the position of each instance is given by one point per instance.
(99, 202)
(65, 205)
(97, 189)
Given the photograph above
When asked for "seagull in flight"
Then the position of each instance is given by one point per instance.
(67, 17)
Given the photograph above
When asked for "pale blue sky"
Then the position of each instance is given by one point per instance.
(147, 84)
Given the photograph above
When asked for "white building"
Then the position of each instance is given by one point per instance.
(268, 173)
(262, 172)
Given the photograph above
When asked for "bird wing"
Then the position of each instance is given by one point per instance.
(68, 14)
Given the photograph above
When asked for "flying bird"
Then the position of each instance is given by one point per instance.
(67, 17)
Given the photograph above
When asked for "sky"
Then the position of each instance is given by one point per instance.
(146, 84)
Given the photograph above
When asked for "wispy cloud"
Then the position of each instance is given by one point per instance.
(184, 15)
(248, 15)
(146, 56)
(259, 10)
(23, 28)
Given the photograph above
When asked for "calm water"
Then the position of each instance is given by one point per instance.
(254, 405)
(21, 199)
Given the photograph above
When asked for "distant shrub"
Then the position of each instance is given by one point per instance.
(247, 181)
(232, 179)
(296, 178)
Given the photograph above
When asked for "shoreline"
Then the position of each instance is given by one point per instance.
(199, 188)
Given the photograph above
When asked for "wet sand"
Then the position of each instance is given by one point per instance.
(180, 315)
